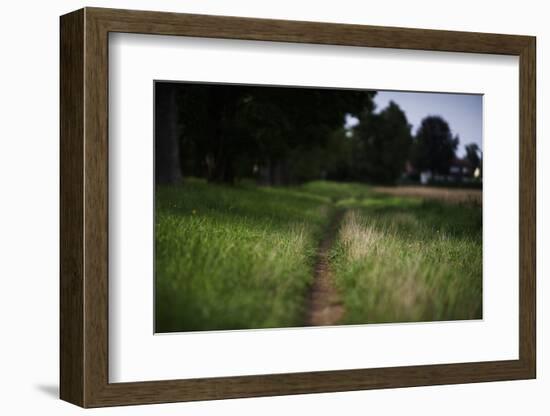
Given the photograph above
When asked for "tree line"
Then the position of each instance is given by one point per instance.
(280, 135)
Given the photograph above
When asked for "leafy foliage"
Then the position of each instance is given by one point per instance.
(230, 131)
(473, 155)
(386, 139)
(284, 135)
(434, 146)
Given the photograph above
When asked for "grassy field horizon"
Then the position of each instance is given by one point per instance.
(246, 256)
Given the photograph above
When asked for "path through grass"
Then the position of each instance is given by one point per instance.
(234, 257)
(243, 257)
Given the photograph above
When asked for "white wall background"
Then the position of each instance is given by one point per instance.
(29, 85)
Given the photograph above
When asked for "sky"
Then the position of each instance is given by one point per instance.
(463, 112)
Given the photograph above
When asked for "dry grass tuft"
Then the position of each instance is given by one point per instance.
(469, 196)
(357, 238)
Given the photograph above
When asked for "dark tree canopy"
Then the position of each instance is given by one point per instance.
(386, 140)
(434, 146)
(230, 131)
(473, 154)
(282, 135)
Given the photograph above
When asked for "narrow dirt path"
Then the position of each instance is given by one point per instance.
(325, 304)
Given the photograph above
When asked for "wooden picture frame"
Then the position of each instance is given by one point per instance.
(84, 207)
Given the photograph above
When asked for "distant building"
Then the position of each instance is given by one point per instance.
(460, 170)
(425, 177)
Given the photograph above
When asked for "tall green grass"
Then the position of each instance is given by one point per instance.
(234, 257)
(239, 257)
(403, 260)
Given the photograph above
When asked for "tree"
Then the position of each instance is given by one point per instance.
(297, 124)
(268, 126)
(167, 157)
(386, 138)
(473, 155)
(230, 131)
(212, 135)
(434, 146)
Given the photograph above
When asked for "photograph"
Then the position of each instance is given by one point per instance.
(282, 206)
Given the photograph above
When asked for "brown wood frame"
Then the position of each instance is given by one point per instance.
(84, 209)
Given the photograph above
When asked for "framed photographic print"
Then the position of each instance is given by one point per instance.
(255, 207)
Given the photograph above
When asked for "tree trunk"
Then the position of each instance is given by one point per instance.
(264, 174)
(167, 156)
(279, 173)
(223, 170)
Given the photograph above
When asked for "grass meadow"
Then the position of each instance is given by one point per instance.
(241, 257)
(409, 260)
